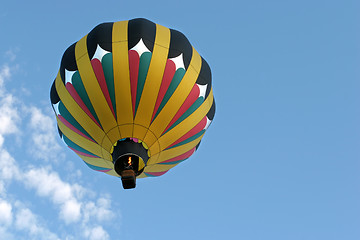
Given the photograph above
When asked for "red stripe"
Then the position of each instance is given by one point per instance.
(99, 73)
(79, 101)
(191, 98)
(200, 126)
(169, 73)
(181, 157)
(66, 123)
(134, 61)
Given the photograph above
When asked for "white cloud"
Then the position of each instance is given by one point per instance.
(69, 197)
(49, 184)
(6, 214)
(27, 221)
(96, 233)
(4, 75)
(101, 210)
(78, 206)
(9, 116)
(9, 170)
(43, 134)
(20, 218)
(104, 212)
(70, 211)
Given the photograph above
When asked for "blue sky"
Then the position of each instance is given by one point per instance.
(280, 161)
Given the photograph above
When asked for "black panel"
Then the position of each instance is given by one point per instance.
(141, 28)
(54, 97)
(205, 76)
(180, 44)
(68, 61)
(211, 113)
(205, 73)
(102, 35)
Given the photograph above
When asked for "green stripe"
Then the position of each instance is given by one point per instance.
(107, 64)
(143, 70)
(188, 112)
(179, 74)
(80, 89)
(67, 115)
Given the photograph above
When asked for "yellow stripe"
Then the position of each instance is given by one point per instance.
(99, 162)
(92, 87)
(186, 125)
(122, 77)
(153, 80)
(126, 130)
(79, 140)
(106, 154)
(139, 131)
(80, 116)
(113, 135)
(141, 164)
(177, 99)
(174, 152)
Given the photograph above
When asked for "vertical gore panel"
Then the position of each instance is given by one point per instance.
(122, 78)
(178, 97)
(80, 116)
(153, 79)
(144, 65)
(93, 89)
(107, 64)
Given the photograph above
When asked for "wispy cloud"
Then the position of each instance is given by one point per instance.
(14, 216)
(48, 184)
(76, 204)
(43, 134)
(11, 54)
(96, 233)
(9, 116)
(26, 220)
(4, 75)
(5, 213)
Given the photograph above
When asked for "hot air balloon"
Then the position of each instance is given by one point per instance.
(132, 99)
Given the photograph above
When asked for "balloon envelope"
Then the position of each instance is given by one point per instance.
(133, 87)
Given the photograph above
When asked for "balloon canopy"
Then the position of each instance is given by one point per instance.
(133, 99)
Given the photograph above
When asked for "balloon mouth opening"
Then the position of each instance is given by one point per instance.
(129, 160)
